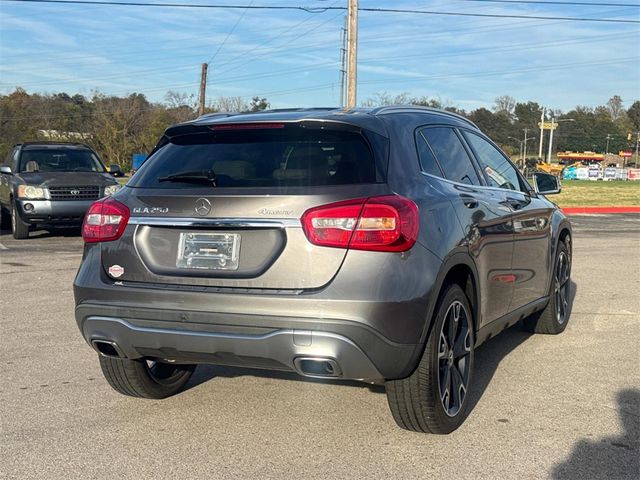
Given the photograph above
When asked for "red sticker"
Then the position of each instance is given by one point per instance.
(116, 271)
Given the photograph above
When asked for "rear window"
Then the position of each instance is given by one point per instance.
(59, 160)
(282, 156)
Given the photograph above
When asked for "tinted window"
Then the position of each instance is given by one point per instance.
(59, 160)
(290, 156)
(498, 171)
(428, 162)
(451, 155)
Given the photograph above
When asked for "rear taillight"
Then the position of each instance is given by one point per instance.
(383, 224)
(105, 221)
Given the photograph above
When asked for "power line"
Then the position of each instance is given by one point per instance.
(552, 3)
(324, 9)
(324, 86)
(485, 15)
(233, 29)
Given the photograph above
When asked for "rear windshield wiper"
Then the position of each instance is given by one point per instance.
(203, 176)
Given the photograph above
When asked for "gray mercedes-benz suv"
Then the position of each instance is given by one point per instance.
(381, 245)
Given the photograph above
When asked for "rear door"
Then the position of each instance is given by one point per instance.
(483, 213)
(221, 206)
(531, 222)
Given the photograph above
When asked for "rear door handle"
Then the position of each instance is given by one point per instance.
(469, 201)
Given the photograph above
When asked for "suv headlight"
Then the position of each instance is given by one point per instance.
(111, 189)
(30, 192)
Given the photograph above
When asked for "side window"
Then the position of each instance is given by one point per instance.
(498, 171)
(14, 160)
(428, 162)
(451, 155)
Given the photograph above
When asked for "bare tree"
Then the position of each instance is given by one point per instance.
(230, 104)
(380, 99)
(616, 109)
(505, 104)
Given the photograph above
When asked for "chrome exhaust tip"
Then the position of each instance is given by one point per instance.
(317, 367)
(107, 348)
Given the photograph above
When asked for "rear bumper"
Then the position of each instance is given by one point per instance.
(371, 323)
(52, 212)
(282, 349)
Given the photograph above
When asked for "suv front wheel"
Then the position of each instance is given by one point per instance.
(435, 398)
(19, 228)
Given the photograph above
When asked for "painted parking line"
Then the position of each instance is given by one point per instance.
(2, 247)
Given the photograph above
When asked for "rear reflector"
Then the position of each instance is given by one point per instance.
(383, 224)
(246, 126)
(105, 221)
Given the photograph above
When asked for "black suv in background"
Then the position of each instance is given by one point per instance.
(51, 185)
(378, 245)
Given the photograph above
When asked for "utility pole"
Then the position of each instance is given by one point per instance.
(203, 89)
(352, 54)
(541, 132)
(524, 150)
(343, 60)
(609, 137)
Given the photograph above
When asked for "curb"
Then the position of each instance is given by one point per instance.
(606, 210)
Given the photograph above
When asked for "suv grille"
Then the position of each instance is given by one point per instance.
(74, 193)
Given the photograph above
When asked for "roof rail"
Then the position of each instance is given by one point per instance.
(271, 110)
(413, 108)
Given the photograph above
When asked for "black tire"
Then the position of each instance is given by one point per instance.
(19, 229)
(5, 222)
(417, 402)
(140, 378)
(555, 316)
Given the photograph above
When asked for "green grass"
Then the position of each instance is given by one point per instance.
(582, 193)
(586, 193)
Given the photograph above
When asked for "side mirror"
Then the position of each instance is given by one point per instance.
(546, 184)
(6, 169)
(114, 170)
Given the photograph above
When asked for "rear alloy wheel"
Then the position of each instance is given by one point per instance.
(145, 378)
(434, 399)
(19, 229)
(554, 318)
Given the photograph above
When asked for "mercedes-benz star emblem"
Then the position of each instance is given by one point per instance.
(203, 207)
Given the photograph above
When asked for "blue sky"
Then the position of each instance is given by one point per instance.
(293, 58)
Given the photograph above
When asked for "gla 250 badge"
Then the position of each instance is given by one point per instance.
(150, 209)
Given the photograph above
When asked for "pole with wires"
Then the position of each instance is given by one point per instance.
(343, 59)
(352, 54)
(203, 89)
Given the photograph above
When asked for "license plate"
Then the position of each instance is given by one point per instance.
(211, 251)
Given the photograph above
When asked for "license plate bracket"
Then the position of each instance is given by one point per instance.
(208, 251)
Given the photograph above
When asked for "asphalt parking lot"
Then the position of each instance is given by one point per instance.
(544, 407)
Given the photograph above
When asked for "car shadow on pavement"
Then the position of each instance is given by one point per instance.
(608, 457)
(60, 232)
(204, 373)
(487, 358)
(489, 355)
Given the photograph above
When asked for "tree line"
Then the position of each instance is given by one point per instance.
(116, 127)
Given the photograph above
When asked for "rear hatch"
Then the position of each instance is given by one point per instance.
(220, 205)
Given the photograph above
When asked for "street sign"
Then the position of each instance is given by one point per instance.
(625, 154)
(548, 125)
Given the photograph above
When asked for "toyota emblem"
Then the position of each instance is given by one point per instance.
(203, 207)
